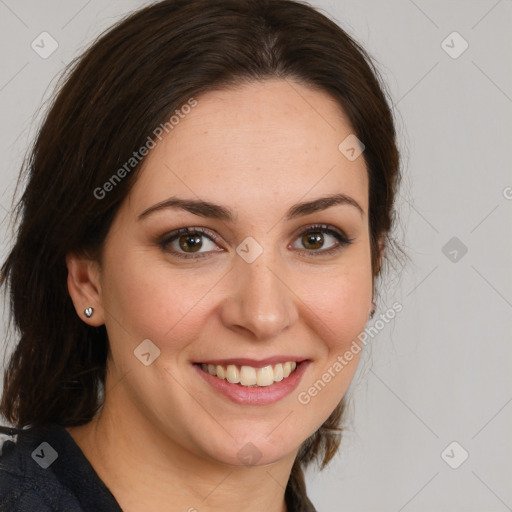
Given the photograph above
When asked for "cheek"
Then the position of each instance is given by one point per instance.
(146, 298)
(149, 297)
(348, 311)
(339, 314)
(340, 301)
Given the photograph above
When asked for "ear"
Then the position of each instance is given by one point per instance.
(84, 288)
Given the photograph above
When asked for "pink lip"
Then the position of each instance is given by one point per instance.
(254, 362)
(258, 395)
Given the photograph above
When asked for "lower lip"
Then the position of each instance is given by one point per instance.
(255, 395)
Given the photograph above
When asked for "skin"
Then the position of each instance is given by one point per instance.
(165, 439)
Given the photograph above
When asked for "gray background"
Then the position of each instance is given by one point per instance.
(441, 371)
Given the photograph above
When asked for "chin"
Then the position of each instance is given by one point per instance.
(253, 451)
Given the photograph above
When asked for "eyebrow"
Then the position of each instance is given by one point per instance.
(216, 211)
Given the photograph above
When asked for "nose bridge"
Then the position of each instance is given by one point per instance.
(260, 301)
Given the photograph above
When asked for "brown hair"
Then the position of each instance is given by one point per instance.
(111, 100)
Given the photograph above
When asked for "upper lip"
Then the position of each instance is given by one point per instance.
(255, 363)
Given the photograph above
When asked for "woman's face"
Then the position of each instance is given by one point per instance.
(261, 285)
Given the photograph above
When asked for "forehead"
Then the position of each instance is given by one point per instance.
(261, 144)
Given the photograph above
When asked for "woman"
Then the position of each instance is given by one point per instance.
(207, 208)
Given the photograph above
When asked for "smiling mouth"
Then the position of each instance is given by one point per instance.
(249, 376)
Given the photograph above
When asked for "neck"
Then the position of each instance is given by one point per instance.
(146, 470)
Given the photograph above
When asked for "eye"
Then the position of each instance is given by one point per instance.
(188, 242)
(314, 238)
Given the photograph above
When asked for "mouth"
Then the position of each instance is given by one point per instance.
(251, 376)
(252, 382)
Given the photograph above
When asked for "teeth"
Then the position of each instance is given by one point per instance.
(249, 376)
(232, 374)
(278, 372)
(265, 376)
(221, 373)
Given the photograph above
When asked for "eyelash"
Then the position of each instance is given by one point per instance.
(342, 240)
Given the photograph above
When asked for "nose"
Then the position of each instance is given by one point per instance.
(259, 300)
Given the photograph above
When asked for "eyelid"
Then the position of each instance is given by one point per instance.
(342, 239)
(167, 238)
(321, 227)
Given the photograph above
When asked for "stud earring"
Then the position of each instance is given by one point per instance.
(88, 312)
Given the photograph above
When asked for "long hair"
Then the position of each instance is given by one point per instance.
(110, 100)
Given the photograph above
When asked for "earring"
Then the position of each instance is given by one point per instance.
(88, 312)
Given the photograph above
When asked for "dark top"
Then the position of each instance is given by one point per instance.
(42, 469)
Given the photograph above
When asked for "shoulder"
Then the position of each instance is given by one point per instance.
(25, 484)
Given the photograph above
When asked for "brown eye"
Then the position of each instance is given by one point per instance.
(313, 240)
(190, 242)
